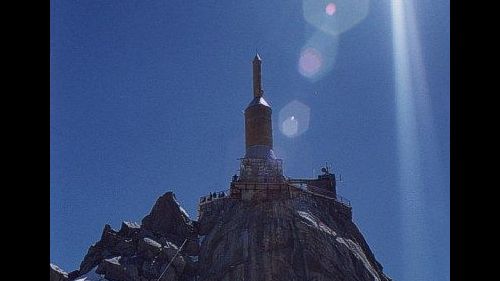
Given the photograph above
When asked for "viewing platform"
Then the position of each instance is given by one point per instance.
(288, 189)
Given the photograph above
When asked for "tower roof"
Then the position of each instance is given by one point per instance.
(258, 101)
(257, 57)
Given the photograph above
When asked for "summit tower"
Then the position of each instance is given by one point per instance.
(259, 164)
(261, 174)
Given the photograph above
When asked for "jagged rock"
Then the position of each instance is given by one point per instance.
(129, 229)
(92, 275)
(105, 248)
(124, 247)
(150, 269)
(73, 274)
(139, 247)
(118, 269)
(168, 219)
(170, 251)
(303, 238)
(57, 274)
(148, 248)
(136, 252)
(93, 257)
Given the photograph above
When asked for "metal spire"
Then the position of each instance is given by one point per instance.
(257, 82)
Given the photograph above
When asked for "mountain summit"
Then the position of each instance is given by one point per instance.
(268, 227)
(307, 237)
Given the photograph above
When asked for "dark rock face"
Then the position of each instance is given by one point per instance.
(117, 268)
(303, 238)
(295, 239)
(169, 222)
(57, 274)
(142, 252)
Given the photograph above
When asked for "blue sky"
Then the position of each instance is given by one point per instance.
(147, 97)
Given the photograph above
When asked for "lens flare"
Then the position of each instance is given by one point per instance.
(330, 9)
(317, 56)
(290, 126)
(410, 87)
(310, 62)
(294, 119)
(348, 13)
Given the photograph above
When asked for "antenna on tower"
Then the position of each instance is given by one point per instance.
(326, 169)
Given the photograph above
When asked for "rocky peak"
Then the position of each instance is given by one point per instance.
(301, 238)
(168, 219)
(57, 274)
(141, 252)
(306, 238)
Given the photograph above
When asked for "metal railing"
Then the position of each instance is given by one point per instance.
(319, 191)
(343, 200)
(307, 188)
(211, 197)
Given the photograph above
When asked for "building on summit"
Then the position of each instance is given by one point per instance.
(261, 172)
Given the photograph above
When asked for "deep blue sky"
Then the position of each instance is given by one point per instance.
(147, 97)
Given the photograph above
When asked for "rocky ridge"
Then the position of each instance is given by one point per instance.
(305, 238)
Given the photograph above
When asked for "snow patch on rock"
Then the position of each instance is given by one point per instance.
(315, 222)
(184, 212)
(132, 224)
(58, 269)
(114, 260)
(91, 276)
(359, 253)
